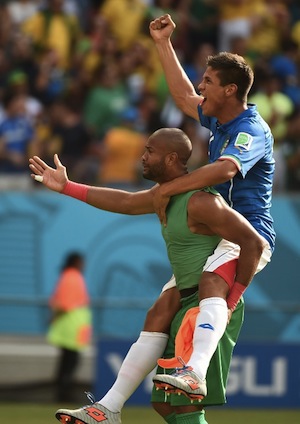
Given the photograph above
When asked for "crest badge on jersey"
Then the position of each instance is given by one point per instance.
(243, 141)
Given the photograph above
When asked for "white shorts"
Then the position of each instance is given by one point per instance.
(224, 253)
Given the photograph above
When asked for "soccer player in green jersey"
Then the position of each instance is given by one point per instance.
(196, 223)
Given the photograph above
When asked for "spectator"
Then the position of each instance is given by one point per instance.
(22, 58)
(82, 9)
(16, 135)
(105, 101)
(237, 18)
(91, 48)
(140, 69)
(122, 149)
(53, 29)
(271, 27)
(199, 137)
(275, 107)
(74, 141)
(70, 327)
(129, 62)
(6, 27)
(239, 45)
(149, 119)
(125, 19)
(18, 84)
(284, 65)
(51, 80)
(294, 8)
(292, 152)
(20, 10)
(201, 18)
(5, 67)
(195, 67)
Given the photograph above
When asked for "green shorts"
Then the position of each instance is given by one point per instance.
(218, 370)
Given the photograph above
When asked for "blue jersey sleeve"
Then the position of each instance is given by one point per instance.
(246, 148)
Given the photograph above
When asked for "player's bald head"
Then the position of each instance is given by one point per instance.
(171, 140)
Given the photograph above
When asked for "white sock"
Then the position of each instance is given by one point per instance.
(138, 363)
(210, 326)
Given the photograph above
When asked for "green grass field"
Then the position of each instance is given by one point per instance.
(24, 413)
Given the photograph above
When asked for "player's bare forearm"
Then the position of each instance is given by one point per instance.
(181, 88)
(108, 199)
(213, 212)
(208, 175)
(247, 264)
(239, 231)
(251, 243)
(120, 201)
(250, 254)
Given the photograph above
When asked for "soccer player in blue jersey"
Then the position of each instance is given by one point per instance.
(241, 168)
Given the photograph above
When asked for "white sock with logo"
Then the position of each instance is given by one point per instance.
(211, 323)
(138, 363)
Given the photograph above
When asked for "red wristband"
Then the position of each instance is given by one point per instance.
(236, 292)
(78, 191)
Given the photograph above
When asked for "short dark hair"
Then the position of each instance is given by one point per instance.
(233, 69)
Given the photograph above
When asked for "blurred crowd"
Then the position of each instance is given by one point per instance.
(81, 78)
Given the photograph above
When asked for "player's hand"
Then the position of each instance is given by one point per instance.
(162, 27)
(54, 179)
(160, 204)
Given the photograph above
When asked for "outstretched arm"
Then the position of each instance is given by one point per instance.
(181, 88)
(108, 199)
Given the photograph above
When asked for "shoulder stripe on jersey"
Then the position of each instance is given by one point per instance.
(233, 159)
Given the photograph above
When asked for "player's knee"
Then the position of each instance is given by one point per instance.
(156, 320)
(212, 285)
(160, 315)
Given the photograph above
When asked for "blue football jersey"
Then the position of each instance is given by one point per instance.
(248, 142)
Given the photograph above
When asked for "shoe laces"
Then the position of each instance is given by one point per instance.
(182, 370)
(90, 397)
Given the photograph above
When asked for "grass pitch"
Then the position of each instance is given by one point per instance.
(24, 413)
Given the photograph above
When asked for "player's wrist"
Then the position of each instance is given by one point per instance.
(163, 190)
(76, 190)
(235, 295)
(167, 189)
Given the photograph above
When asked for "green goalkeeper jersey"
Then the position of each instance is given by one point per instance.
(187, 251)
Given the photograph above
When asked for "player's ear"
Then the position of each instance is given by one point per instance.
(230, 89)
(171, 158)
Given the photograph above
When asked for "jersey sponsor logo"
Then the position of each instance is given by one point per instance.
(207, 326)
(243, 141)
